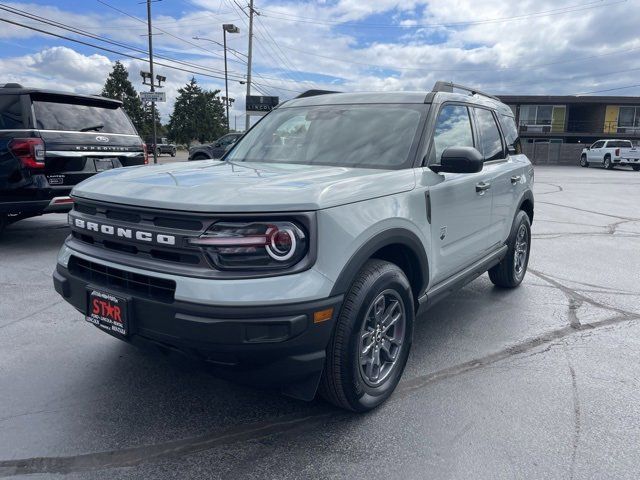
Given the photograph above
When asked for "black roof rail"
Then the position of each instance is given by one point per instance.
(11, 85)
(441, 86)
(314, 93)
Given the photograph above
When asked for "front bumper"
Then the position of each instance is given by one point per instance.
(272, 346)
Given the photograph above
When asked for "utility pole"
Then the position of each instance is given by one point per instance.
(251, 12)
(153, 103)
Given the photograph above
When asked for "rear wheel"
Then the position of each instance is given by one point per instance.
(173, 152)
(636, 167)
(510, 272)
(607, 162)
(158, 152)
(3, 222)
(199, 156)
(583, 161)
(370, 344)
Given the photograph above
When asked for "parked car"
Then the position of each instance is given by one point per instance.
(303, 264)
(610, 153)
(214, 150)
(50, 141)
(163, 147)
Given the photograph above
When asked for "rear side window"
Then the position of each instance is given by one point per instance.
(51, 115)
(510, 132)
(490, 140)
(619, 144)
(453, 129)
(10, 112)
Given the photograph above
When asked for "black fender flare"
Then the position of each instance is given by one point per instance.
(392, 236)
(526, 195)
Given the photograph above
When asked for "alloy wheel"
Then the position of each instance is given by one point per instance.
(382, 337)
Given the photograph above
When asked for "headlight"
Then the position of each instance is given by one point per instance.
(254, 245)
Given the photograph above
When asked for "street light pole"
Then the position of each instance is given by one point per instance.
(230, 28)
(153, 103)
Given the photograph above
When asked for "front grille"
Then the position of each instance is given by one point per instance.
(178, 224)
(140, 285)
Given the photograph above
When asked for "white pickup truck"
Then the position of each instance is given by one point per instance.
(609, 153)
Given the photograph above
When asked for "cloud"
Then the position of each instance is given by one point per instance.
(544, 46)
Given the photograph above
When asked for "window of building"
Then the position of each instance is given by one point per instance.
(552, 116)
(629, 117)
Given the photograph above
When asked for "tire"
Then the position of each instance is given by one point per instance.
(173, 152)
(3, 222)
(200, 157)
(583, 161)
(607, 162)
(510, 272)
(158, 152)
(636, 168)
(345, 382)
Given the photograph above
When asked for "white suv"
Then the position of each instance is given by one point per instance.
(302, 259)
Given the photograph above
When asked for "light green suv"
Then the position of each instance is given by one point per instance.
(302, 260)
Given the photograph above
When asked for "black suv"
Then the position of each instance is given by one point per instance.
(216, 149)
(50, 141)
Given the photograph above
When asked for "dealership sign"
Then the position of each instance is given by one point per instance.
(153, 96)
(260, 105)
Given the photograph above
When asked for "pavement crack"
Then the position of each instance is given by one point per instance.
(574, 295)
(576, 414)
(176, 448)
(631, 219)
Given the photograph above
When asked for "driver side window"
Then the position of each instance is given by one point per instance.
(453, 129)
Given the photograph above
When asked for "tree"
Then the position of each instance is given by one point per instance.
(119, 86)
(197, 115)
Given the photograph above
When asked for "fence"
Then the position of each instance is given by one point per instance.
(553, 153)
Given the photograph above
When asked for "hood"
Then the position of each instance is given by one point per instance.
(214, 186)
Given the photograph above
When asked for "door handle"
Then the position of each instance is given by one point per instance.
(482, 187)
(515, 179)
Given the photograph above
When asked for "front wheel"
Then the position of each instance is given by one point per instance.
(370, 344)
(510, 272)
(173, 153)
(158, 152)
(3, 222)
(583, 161)
(636, 168)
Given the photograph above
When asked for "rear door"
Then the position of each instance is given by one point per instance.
(505, 184)
(460, 203)
(83, 137)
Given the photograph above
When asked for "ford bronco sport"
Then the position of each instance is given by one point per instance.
(303, 258)
(50, 141)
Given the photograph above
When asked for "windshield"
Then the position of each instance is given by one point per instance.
(366, 136)
(81, 117)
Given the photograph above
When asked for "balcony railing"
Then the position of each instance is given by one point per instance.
(587, 127)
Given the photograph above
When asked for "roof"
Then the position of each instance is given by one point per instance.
(368, 98)
(16, 89)
(569, 99)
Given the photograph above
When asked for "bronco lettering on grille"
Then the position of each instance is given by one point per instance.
(122, 232)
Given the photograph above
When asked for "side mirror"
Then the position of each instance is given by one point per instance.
(459, 160)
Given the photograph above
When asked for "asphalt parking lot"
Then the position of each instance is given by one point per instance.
(539, 382)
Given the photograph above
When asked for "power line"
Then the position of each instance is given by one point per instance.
(98, 47)
(473, 70)
(609, 89)
(557, 11)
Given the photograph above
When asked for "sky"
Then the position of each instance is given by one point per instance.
(499, 46)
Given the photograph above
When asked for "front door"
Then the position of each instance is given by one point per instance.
(594, 154)
(460, 203)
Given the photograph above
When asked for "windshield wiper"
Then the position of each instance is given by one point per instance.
(97, 128)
